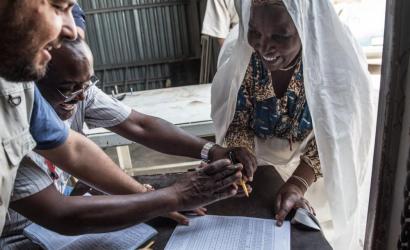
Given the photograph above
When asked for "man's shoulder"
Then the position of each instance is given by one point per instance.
(48, 134)
(101, 110)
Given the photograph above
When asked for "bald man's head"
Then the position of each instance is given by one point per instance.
(69, 71)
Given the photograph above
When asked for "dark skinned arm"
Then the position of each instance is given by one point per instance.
(73, 215)
(167, 138)
(159, 135)
(83, 159)
(291, 193)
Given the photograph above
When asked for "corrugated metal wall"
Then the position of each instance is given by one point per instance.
(140, 44)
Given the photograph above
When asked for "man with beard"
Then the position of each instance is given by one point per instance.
(31, 29)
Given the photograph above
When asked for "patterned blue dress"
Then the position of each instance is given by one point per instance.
(259, 112)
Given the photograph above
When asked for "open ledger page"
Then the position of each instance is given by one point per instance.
(230, 232)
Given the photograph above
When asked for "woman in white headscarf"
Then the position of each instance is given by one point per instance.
(295, 90)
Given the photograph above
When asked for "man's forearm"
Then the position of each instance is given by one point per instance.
(85, 160)
(159, 135)
(74, 215)
(81, 214)
(109, 213)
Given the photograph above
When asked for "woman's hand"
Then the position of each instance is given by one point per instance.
(290, 196)
(236, 155)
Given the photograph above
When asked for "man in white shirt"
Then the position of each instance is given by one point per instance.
(220, 17)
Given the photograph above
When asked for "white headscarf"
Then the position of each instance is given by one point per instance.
(339, 94)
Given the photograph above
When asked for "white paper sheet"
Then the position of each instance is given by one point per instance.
(129, 238)
(229, 232)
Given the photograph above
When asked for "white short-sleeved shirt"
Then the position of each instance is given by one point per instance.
(98, 110)
(220, 16)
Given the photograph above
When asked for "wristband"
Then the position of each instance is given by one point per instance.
(205, 150)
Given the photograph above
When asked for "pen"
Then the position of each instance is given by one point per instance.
(245, 189)
(148, 246)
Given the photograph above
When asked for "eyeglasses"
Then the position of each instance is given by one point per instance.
(68, 98)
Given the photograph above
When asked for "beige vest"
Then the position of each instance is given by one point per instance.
(16, 106)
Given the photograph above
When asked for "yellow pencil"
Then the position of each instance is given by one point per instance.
(245, 189)
(148, 246)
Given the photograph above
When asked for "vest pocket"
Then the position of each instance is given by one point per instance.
(17, 147)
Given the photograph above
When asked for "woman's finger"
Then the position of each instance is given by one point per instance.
(308, 206)
(313, 210)
(248, 166)
(286, 206)
(278, 204)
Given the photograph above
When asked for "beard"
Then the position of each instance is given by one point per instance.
(17, 45)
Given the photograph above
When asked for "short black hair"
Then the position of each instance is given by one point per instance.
(77, 52)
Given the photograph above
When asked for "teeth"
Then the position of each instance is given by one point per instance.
(67, 107)
(270, 59)
(49, 48)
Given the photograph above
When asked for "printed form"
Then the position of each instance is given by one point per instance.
(230, 232)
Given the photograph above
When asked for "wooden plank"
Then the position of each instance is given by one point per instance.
(163, 169)
(124, 157)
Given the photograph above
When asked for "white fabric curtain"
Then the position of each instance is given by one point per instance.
(341, 102)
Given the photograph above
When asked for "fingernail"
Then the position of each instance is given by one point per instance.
(185, 222)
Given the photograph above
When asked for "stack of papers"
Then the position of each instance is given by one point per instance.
(129, 238)
(228, 232)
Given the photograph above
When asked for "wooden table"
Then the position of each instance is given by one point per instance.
(261, 205)
(188, 107)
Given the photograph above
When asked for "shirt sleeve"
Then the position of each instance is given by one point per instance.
(103, 110)
(45, 126)
(217, 20)
(79, 16)
(239, 133)
(311, 158)
(30, 179)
